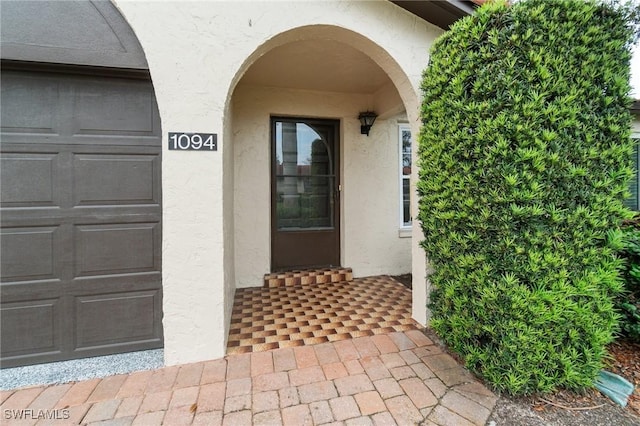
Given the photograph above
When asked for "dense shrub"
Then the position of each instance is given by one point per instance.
(524, 159)
(628, 303)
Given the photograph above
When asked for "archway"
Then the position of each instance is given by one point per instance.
(321, 72)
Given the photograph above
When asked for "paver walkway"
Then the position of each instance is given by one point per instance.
(398, 378)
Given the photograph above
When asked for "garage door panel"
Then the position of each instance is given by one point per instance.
(80, 212)
(88, 285)
(29, 254)
(111, 319)
(116, 249)
(35, 191)
(116, 179)
(114, 107)
(30, 327)
(33, 106)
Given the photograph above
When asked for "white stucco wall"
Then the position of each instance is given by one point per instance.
(197, 52)
(369, 175)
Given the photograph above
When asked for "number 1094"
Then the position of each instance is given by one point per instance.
(193, 141)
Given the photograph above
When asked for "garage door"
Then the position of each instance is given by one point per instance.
(80, 217)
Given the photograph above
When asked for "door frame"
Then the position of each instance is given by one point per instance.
(335, 123)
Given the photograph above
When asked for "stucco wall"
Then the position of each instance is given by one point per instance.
(369, 173)
(197, 52)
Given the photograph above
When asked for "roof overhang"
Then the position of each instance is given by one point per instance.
(441, 13)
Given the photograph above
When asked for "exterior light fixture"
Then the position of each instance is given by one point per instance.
(366, 121)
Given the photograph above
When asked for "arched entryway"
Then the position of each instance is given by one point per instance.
(313, 74)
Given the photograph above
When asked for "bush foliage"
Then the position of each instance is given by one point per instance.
(525, 159)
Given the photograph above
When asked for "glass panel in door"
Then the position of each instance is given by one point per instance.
(304, 201)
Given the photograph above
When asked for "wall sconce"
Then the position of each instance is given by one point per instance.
(366, 121)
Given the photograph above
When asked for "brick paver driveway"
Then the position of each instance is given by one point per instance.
(398, 378)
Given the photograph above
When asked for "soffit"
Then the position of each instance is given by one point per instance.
(442, 13)
(323, 65)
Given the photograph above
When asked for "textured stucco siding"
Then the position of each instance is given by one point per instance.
(197, 52)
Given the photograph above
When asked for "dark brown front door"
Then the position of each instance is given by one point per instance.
(304, 193)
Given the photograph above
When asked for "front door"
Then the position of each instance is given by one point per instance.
(304, 193)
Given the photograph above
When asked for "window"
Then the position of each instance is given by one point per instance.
(633, 202)
(404, 136)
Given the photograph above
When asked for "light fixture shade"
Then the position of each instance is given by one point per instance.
(367, 119)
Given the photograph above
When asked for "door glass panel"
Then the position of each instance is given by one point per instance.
(304, 177)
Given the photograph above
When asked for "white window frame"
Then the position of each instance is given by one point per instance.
(404, 226)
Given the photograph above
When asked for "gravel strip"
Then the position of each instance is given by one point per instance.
(80, 369)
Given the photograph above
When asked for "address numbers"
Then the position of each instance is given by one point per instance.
(193, 141)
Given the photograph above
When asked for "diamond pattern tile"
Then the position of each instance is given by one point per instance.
(279, 317)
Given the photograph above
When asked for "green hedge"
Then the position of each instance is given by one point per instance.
(525, 159)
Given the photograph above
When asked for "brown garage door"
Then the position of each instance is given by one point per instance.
(80, 217)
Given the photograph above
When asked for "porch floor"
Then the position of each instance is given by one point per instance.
(271, 318)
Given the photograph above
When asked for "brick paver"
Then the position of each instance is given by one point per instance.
(129, 406)
(162, 380)
(351, 385)
(467, 408)
(419, 394)
(103, 410)
(297, 415)
(288, 397)
(284, 360)
(403, 410)
(344, 407)
(326, 353)
(400, 378)
(239, 367)
(78, 393)
(265, 401)
(346, 350)
(214, 371)
(370, 402)
(268, 418)
(388, 388)
(317, 391)
(157, 401)
(321, 412)
(402, 341)
(184, 397)
(211, 397)
(238, 387)
(375, 368)
(305, 356)
(49, 397)
(271, 381)
(334, 370)
(384, 343)
(189, 375)
(210, 418)
(304, 376)
(135, 384)
(261, 363)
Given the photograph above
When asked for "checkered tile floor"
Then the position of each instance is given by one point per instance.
(271, 318)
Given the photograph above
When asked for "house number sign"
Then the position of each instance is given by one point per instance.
(193, 141)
